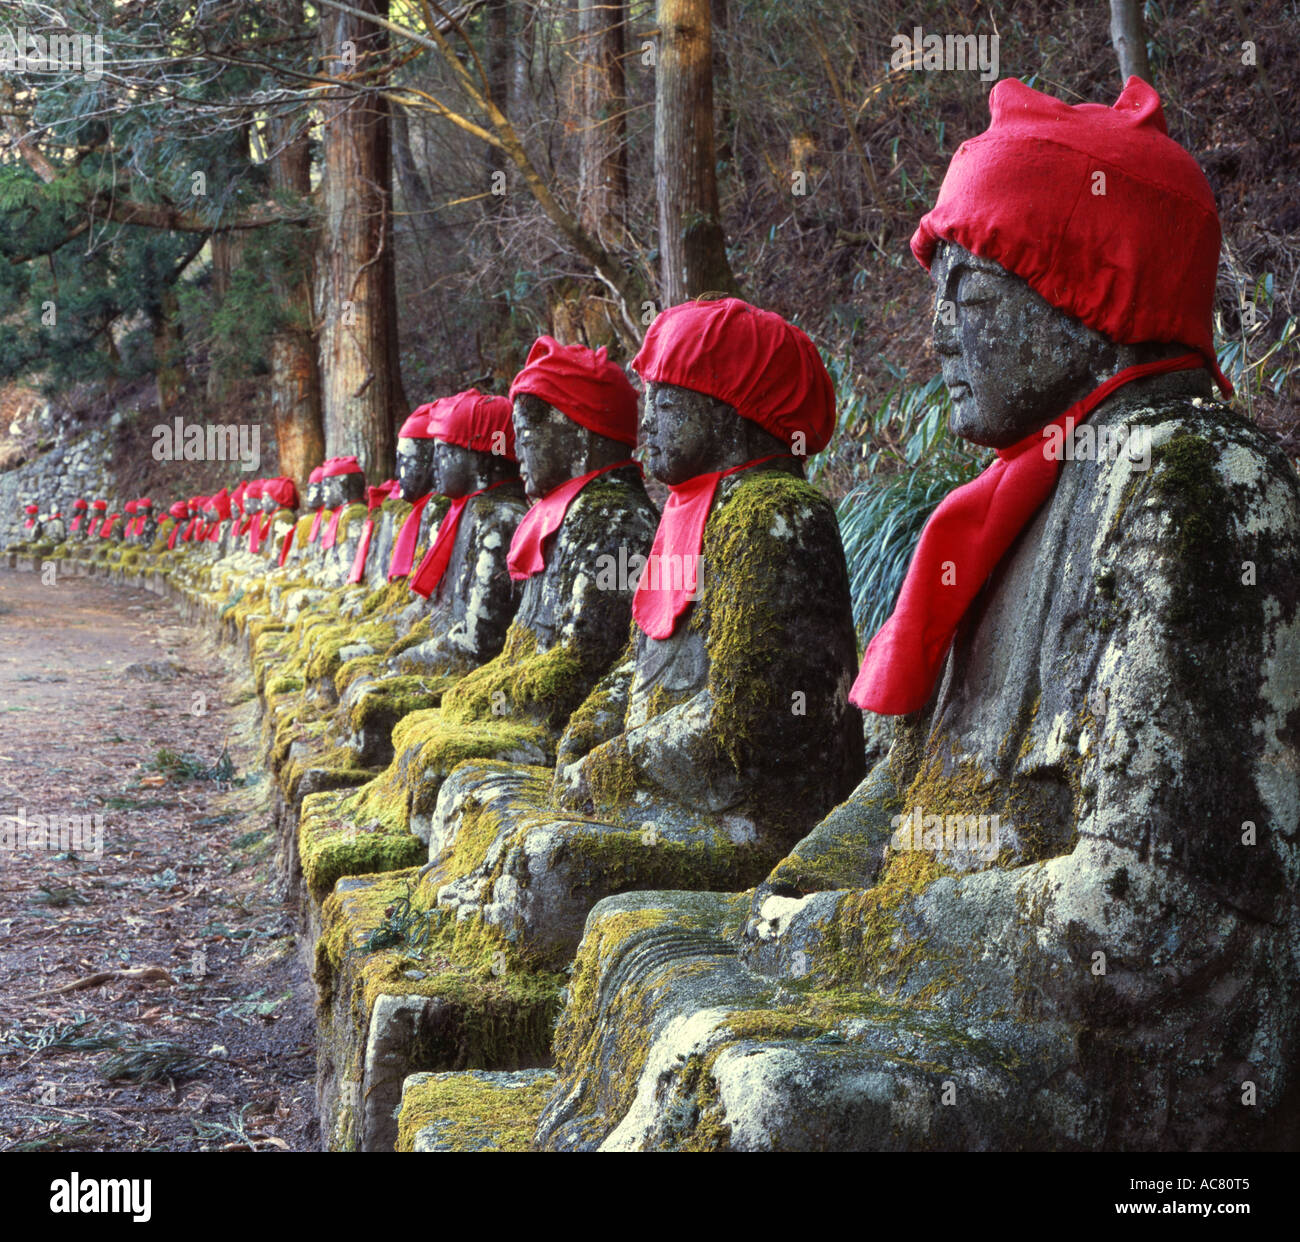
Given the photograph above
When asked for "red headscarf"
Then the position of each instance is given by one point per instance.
(474, 421)
(282, 491)
(1133, 255)
(582, 384)
(179, 511)
(772, 374)
(1097, 208)
(31, 511)
(79, 507)
(416, 426)
(752, 359)
(340, 465)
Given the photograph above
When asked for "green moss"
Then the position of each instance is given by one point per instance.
(546, 685)
(469, 1113)
(393, 698)
(611, 775)
(331, 846)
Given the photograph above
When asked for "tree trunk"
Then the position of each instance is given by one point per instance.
(1129, 36)
(168, 349)
(361, 384)
(295, 371)
(692, 244)
(602, 155)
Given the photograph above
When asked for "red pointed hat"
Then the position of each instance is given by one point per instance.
(582, 384)
(1098, 209)
(765, 368)
(474, 421)
(282, 491)
(340, 465)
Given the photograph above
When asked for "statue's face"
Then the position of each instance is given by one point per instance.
(415, 469)
(314, 497)
(550, 446)
(456, 468)
(343, 489)
(269, 504)
(1012, 362)
(683, 431)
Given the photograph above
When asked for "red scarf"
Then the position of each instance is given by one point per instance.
(106, 528)
(404, 545)
(255, 533)
(93, 529)
(363, 550)
(215, 533)
(332, 530)
(658, 602)
(286, 543)
(315, 525)
(76, 522)
(171, 539)
(964, 539)
(425, 580)
(543, 520)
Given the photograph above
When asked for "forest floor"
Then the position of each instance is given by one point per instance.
(151, 995)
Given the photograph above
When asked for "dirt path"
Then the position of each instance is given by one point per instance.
(110, 710)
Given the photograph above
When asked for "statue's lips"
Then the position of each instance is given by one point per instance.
(958, 389)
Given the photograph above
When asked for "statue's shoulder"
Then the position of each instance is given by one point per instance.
(771, 504)
(617, 499)
(1195, 456)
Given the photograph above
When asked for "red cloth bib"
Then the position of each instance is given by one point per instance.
(425, 580)
(76, 522)
(286, 543)
(171, 539)
(363, 550)
(404, 545)
(255, 533)
(664, 591)
(543, 520)
(315, 525)
(332, 530)
(964, 539)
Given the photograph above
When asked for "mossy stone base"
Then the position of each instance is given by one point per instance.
(472, 1111)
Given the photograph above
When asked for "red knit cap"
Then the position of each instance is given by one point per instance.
(101, 505)
(582, 384)
(765, 368)
(179, 510)
(31, 509)
(316, 475)
(1133, 255)
(282, 491)
(475, 421)
(416, 426)
(196, 505)
(340, 465)
(221, 503)
(129, 507)
(79, 506)
(143, 503)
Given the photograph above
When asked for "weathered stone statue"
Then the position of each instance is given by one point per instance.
(1062, 912)
(464, 576)
(725, 733)
(52, 526)
(146, 523)
(76, 528)
(98, 508)
(574, 420)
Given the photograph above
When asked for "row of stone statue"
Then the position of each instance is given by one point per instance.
(1061, 911)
